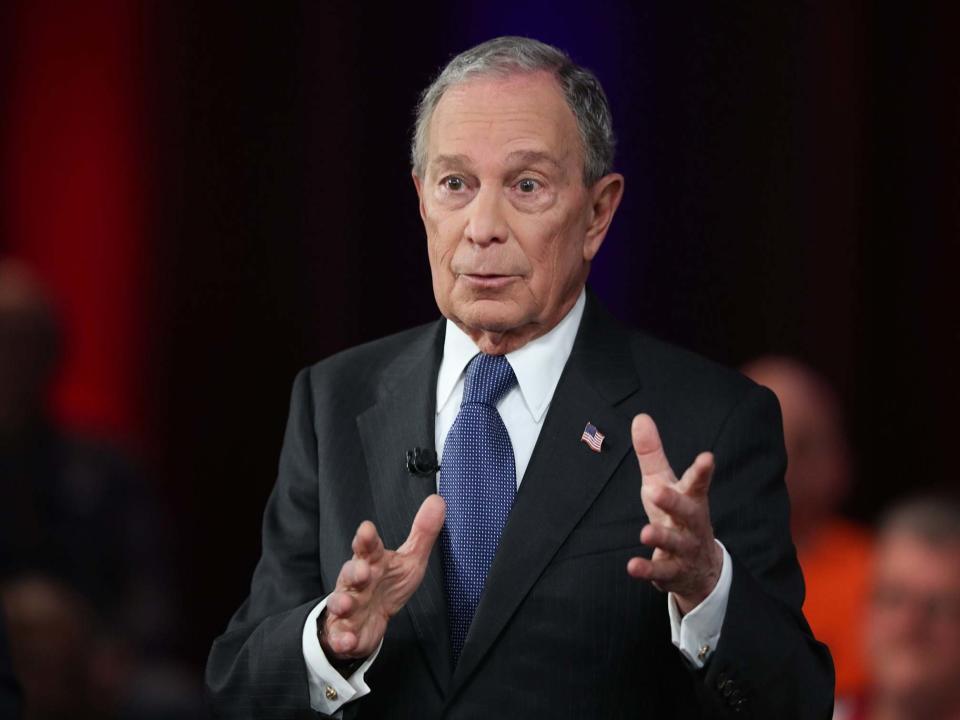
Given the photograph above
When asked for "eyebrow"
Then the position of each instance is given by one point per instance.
(530, 157)
(519, 157)
(450, 161)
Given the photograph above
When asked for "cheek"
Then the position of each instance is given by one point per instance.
(442, 238)
(535, 233)
(553, 252)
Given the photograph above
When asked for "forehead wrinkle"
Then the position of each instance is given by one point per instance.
(532, 151)
(547, 132)
(462, 120)
(470, 111)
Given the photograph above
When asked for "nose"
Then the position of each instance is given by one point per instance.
(487, 223)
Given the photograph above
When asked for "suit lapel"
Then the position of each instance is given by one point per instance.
(403, 418)
(563, 478)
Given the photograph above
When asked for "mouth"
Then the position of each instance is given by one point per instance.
(487, 281)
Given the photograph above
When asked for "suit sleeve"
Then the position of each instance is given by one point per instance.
(256, 668)
(767, 663)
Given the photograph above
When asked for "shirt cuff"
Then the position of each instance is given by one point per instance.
(329, 690)
(697, 633)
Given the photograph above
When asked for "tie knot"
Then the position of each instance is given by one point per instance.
(488, 379)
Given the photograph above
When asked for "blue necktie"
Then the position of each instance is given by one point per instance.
(478, 482)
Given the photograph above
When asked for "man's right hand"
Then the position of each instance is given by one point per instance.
(376, 583)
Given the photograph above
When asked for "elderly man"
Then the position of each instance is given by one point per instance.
(551, 564)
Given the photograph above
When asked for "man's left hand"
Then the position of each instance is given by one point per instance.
(686, 561)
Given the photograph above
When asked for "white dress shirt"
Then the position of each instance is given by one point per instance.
(538, 366)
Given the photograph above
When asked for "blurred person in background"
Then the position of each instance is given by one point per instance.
(53, 643)
(70, 506)
(913, 620)
(73, 510)
(834, 552)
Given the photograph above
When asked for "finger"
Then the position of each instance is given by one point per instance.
(367, 543)
(342, 641)
(682, 510)
(670, 540)
(646, 443)
(659, 571)
(425, 529)
(341, 604)
(696, 480)
(354, 575)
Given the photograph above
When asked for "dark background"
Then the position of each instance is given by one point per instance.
(219, 194)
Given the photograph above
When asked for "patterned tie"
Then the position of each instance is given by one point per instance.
(478, 482)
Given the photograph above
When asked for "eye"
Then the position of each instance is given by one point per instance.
(453, 183)
(528, 186)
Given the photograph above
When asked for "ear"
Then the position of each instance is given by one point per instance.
(605, 196)
(418, 184)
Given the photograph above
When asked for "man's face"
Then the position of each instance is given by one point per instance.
(511, 227)
(914, 621)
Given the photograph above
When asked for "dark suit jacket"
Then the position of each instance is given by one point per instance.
(561, 631)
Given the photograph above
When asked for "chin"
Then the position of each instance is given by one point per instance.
(494, 316)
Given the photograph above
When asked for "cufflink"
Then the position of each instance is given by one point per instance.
(703, 652)
(330, 693)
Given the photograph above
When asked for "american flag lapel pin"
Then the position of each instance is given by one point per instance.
(592, 437)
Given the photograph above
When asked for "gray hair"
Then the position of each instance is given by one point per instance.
(503, 56)
(932, 518)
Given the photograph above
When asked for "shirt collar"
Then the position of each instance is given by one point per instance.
(537, 365)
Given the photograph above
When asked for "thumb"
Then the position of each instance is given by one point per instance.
(426, 527)
(646, 444)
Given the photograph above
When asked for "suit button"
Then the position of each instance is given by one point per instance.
(729, 690)
(331, 693)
